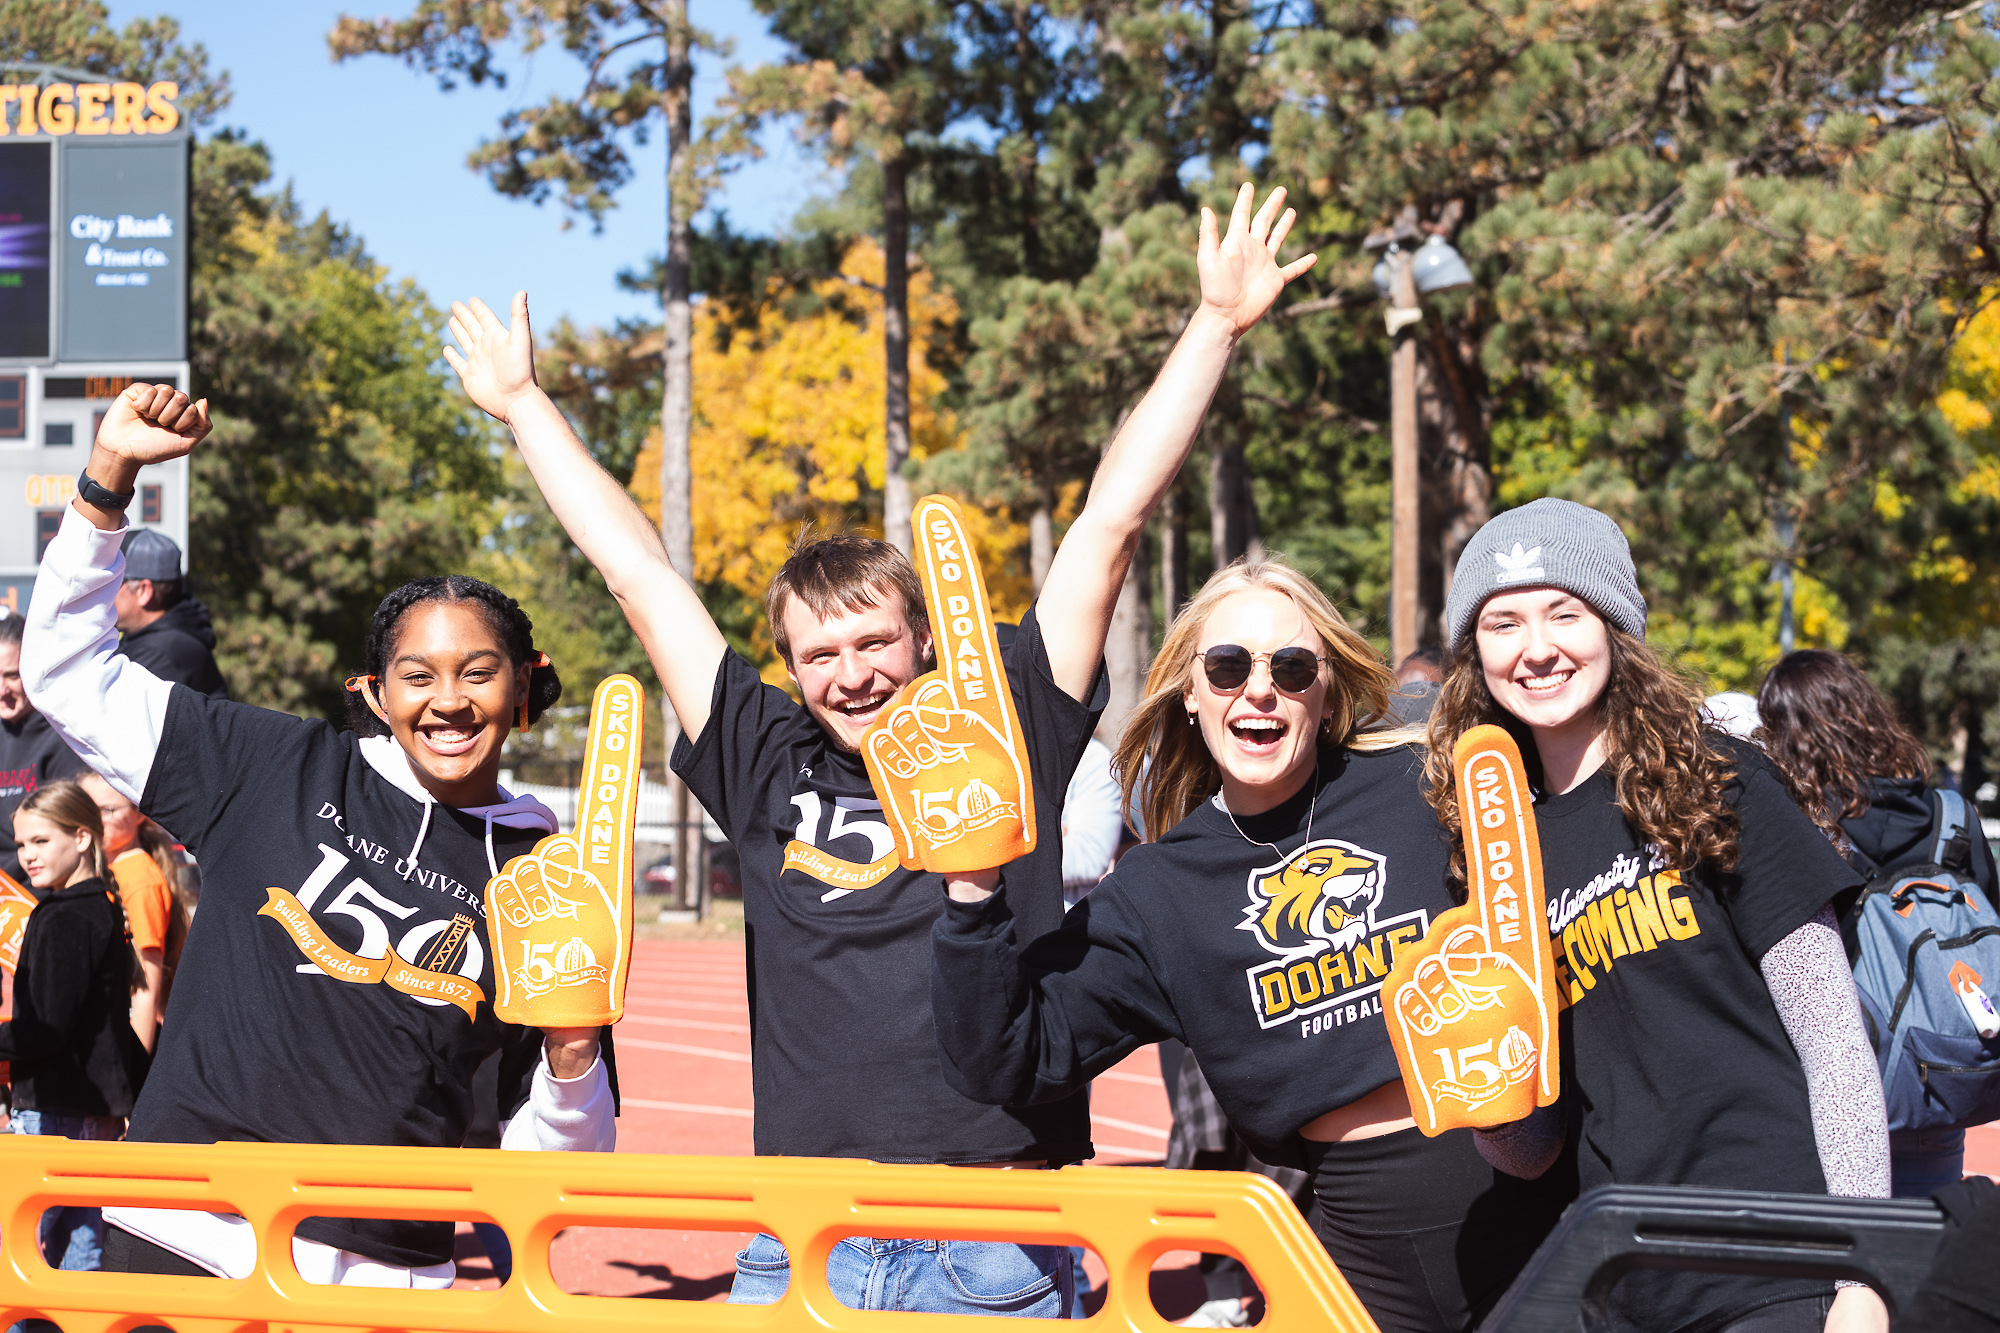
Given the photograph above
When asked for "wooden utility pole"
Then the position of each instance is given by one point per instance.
(897, 502)
(1404, 510)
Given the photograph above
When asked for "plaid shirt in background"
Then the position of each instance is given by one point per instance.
(1201, 1139)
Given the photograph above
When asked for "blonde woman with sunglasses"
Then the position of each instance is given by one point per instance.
(1291, 856)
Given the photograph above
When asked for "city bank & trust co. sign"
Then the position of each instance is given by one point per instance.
(88, 108)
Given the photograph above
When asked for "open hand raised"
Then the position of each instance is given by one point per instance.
(1240, 277)
(153, 423)
(498, 363)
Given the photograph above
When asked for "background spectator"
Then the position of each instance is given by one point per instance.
(1093, 822)
(1418, 681)
(1732, 711)
(31, 754)
(165, 631)
(145, 865)
(1832, 730)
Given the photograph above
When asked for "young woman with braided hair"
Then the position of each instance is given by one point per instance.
(336, 984)
(1712, 1036)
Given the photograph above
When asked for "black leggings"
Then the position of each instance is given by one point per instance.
(1427, 1234)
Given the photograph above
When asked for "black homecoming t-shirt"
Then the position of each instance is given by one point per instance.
(839, 933)
(261, 1043)
(1675, 1061)
(1265, 950)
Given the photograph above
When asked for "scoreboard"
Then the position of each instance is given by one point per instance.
(93, 296)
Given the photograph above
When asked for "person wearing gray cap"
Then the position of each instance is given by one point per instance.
(163, 629)
(1714, 1037)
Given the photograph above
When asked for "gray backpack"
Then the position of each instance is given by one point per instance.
(1928, 969)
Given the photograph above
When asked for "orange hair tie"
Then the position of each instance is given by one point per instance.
(538, 660)
(356, 684)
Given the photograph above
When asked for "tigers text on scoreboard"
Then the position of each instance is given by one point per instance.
(93, 296)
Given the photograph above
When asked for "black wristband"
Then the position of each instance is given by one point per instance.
(103, 497)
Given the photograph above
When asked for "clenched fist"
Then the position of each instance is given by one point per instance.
(1472, 1010)
(948, 760)
(560, 918)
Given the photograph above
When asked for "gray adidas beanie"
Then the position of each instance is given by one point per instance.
(1548, 544)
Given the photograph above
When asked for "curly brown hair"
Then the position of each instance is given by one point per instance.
(1830, 730)
(1668, 771)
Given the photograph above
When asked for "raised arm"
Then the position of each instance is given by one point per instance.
(106, 707)
(498, 370)
(1240, 278)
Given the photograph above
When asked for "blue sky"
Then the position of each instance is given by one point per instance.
(382, 149)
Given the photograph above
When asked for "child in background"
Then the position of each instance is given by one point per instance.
(77, 1066)
(144, 864)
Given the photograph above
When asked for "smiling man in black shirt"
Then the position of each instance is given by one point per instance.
(845, 1058)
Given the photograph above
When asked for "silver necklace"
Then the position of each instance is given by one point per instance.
(1312, 810)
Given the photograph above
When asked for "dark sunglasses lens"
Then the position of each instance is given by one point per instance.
(1227, 666)
(1294, 669)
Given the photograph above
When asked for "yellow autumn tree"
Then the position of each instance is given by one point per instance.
(1957, 575)
(789, 436)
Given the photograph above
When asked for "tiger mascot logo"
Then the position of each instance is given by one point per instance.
(1322, 896)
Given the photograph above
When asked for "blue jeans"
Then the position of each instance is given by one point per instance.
(1924, 1161)
(71, 1238)
(925, 1276)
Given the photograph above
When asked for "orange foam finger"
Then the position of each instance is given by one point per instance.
(15, 904)
(1472, 1009)
(560, 918)
(970, 804)
(1503, 867)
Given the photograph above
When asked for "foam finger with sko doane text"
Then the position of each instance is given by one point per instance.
(1472, 1009)
(948, 760)
(560, 918)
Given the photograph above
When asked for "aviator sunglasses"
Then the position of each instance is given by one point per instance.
(1228, 666)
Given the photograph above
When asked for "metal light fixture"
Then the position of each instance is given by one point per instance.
(1437, 266)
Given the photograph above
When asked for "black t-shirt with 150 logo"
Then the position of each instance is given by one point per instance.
(845, 1058)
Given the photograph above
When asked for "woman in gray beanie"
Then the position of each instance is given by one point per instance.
(1713, 1035)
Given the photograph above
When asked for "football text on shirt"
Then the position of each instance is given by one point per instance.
(1619, 912)
(1316, 910)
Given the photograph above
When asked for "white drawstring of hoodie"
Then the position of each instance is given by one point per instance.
(424, 828)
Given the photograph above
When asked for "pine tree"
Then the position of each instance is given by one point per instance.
(1722, 243)
(575, 143)
(878, 80)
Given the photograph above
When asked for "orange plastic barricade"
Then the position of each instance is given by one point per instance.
(1130, 1216)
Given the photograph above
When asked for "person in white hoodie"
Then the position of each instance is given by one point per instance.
(342, 884)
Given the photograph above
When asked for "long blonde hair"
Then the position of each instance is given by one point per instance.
(1182, 773)
(68, 806)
